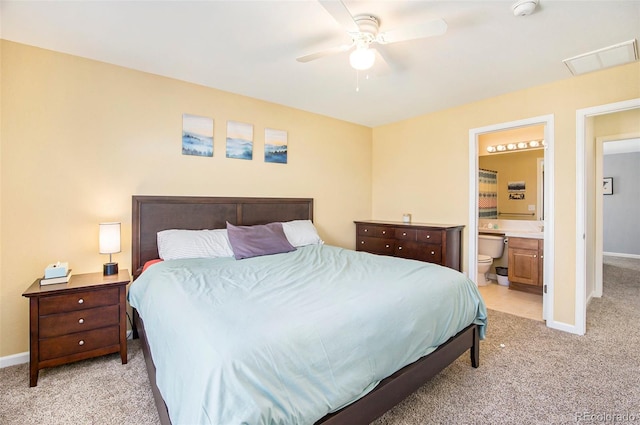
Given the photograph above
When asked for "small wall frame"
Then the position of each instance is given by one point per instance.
(607, 186)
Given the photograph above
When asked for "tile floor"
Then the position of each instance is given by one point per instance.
(501, 298)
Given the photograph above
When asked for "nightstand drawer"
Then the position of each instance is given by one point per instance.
(77, 321)
(78, 301)
(61, 346)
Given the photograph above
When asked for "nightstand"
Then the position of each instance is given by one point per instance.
(83, 318)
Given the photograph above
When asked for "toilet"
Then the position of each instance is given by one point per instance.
(489, 247)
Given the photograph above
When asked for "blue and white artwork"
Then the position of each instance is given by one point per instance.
(275, 146)
(197, 135)
(239, 140)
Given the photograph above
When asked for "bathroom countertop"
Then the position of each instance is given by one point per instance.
(530, 235)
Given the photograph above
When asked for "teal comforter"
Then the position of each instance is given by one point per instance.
(288, 338)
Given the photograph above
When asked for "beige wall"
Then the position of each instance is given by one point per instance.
(420, 165)
(80, 137)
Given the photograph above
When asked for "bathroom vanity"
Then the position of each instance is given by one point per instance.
(526, 266)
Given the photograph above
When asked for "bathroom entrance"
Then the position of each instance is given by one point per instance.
(518, 206)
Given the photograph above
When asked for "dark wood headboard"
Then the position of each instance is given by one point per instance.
(152, 214)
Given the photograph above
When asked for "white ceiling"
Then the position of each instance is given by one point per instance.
(249, 47)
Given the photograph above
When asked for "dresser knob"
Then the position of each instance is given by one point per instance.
(81, 342)
(399, 247)
(362, 242)
(386, 246)
(366, 230)
(428, 236)
(81, 321)
(80, 301)
(433, 253)
(384, 232)
(404, 233)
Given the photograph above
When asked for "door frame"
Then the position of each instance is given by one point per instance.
(582, 231)
(549, 233)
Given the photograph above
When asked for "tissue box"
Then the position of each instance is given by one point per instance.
(56, 270)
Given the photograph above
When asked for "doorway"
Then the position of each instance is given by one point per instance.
(588, 243)
(474, 134)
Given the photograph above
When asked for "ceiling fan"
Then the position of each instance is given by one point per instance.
(364, 33)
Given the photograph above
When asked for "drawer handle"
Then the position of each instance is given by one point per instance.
(366, 230)
(384, 232)
(535, 256)
(428, 236)
(386, 246)
(81, 321)
(404, 233)
(433, 253)
(81, 342)
(399, 247)
(361, 242)
(80, 301)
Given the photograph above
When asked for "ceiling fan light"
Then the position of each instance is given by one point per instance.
(362, 58)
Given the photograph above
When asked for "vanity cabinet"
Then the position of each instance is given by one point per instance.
(433, 243)
(526, 264)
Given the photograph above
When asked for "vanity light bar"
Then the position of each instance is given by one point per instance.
(515, 146)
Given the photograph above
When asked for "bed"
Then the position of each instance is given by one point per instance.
(322, 386)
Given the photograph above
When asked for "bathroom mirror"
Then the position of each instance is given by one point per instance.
(511, 179)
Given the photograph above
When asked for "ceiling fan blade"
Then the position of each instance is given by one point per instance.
(340, 13)
(426, 29)
(323, 53)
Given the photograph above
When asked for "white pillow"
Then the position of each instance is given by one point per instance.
(301, 233)
(175, 244)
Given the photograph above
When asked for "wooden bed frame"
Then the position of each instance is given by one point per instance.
(152, 214)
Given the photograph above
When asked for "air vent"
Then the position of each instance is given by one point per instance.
(618, 54)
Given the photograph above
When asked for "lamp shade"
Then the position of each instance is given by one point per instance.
(362, 58)
(109, 238)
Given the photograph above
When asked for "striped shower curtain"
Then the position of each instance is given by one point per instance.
(487, 194)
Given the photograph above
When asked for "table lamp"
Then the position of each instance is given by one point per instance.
(109, 244)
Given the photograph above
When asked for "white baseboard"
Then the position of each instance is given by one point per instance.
(20, 358)
(14, 359)
(619, 254)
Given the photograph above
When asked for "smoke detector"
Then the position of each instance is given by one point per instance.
(524, 7)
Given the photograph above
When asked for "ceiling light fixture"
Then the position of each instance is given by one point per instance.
(362, 58)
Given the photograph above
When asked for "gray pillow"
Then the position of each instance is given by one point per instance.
(252, 241)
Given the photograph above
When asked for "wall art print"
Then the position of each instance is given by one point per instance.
(275, 146)
(197, 135)
(239, 140)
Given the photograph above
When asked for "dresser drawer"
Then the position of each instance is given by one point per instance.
(78, 301)
(61, 346)
(77, 321)
(419, 251)
(376, 231)
(405, 234)
(430, 236)
(431, 253)
(376, 245)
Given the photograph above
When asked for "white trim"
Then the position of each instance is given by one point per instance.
(540, 182)
(14, 359)
(581, 205)
(622, 255)
(549, 232)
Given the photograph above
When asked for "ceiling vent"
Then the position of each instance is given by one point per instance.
(618, 54)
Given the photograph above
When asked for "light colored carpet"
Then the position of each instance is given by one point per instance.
(540, 376)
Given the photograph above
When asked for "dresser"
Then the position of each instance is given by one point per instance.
(83, 318)
(434, 243)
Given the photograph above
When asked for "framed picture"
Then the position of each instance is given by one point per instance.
(239, 140)
(275, 146)
(607, 186)
(197, 135)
